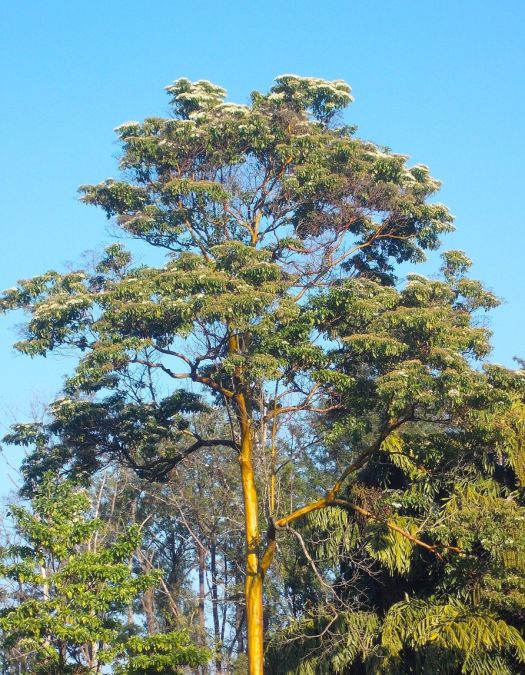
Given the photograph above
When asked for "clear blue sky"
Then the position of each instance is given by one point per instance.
(440, 81)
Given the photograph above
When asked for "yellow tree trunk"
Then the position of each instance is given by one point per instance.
(254, 574)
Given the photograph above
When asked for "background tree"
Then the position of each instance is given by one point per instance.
(66, 611)
(193, 533)
(191, 528)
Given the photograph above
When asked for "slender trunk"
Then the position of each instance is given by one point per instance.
(45, 591)
(92, 657)
(62, 656)
(215, 606)
(148, 605)
(201, 557)
(237, 643)
(254, 577)
(240, 615)
(172, 584)
(133, 518)
(201, 561)
(225, 599)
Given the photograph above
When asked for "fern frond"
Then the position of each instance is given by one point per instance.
(390, 548)
(453, 628)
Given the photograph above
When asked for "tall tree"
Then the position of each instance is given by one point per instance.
(278, 223)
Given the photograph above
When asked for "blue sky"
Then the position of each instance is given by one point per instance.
(440, 81)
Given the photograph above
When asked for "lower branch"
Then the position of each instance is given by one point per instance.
(329, 502)
(433, 548)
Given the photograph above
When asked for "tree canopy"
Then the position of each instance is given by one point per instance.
(279, 311)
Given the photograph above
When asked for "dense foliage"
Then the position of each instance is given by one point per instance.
(381, 456)
(69, 589)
